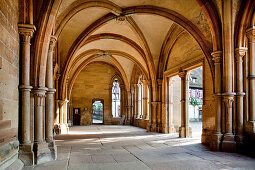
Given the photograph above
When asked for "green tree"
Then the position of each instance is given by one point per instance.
(193, 101)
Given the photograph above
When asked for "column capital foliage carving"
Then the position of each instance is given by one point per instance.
(250, 33)
(228, 100)
(217, 56)
(159, 82)
(26, 31)
(240, 53)
(182, 74)
(53, 41)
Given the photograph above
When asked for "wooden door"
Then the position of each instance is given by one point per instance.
(76, 116)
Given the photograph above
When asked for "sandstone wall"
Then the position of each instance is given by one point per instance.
(93, 82)
(9, 81)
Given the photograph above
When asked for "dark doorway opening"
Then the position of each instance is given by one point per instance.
(98, 110)
(76, 116)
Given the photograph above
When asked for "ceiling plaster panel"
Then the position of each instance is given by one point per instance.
(119, 27)
(126, 64)
(155, 29)
(185, 49)
(109, 44)
(75, 27)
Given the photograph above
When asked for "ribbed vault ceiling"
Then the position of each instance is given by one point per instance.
(134, 39)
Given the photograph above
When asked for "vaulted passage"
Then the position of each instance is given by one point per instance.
(164, 68)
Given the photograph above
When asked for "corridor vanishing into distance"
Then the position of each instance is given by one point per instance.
(127, 147)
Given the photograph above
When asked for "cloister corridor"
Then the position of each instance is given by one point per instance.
(128, 147)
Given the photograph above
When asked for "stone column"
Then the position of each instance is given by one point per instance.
(122, 88)
(149, 114)
(56, 121)
(128, 106)
(154, 105)
(251, 50)
(145, 98)
(132, 102)
(171, 106)
(42, 152)
(184, 130)
(239, 54)
(228, 143)
(50, 92)
(217, 136)
(159, 114)
(50, 99)
(26, 148)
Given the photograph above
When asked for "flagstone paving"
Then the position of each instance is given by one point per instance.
(103, 147)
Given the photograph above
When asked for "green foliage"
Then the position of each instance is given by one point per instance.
(193, 101)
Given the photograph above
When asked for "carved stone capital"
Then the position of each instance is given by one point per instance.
(240, 53)
(217, 56)
(53, 41)
(159, 82)
(182, 74)
(26, 31)
(228, 99)
(250, 33)
(39, 95)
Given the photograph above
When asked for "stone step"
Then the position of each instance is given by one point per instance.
(5, 124)
(7, 134)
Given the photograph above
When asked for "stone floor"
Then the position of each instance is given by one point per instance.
(127, 147)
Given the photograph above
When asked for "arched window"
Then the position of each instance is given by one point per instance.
(116, 99)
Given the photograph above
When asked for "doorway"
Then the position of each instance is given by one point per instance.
(76, 116)
(97, 111)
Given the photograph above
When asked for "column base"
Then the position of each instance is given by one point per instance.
(164, 128)
(159, 128)
(26, 154)
(153, 127)
(42, 153)
(215, 143)
(183, 133)
(239, 143)
(229, 143)
(53, 149)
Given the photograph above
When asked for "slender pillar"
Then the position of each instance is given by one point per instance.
(171, 106)
(56, 121)
(26, 148)
(145, 98)
(50, 92)
(154, 105)
(184, 130)
(239, 54)
(149, 115)
(50, 99)
(122, 88)
(42, 152)
(159, 113)
(228, 143)
(251, 50)
(128, 106)
(217, 136)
